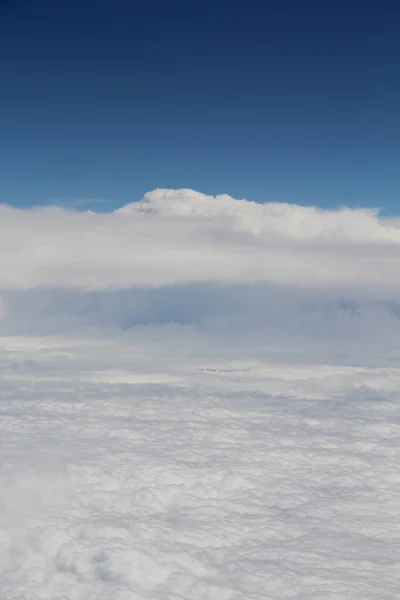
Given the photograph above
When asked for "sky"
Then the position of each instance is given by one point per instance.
(199, 300)
(282, 101)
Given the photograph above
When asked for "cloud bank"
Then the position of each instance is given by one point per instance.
(177, 237)
(184, 257)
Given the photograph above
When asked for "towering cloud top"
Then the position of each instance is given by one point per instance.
(298, 222)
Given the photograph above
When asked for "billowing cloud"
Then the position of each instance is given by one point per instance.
(217, 263)
(179, 237)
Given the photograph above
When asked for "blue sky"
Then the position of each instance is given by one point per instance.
(276, 100)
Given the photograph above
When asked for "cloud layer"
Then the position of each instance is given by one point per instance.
(238, 440)
(131, 471)
(179, 237)
(222, 265)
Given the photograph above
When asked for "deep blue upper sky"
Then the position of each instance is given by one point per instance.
(271, 100)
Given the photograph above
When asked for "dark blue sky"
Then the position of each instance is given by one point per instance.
(273, 100)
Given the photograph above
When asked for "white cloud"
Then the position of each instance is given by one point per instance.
(238, 439)
(178, 237)
(237, 476)
(218, 263)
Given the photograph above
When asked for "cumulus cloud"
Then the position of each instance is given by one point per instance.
(217, 263)
(177, 237)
